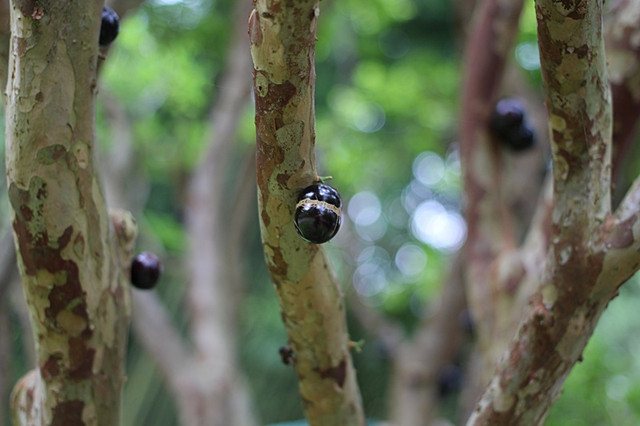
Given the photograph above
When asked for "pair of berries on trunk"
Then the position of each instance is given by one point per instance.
(509, 125)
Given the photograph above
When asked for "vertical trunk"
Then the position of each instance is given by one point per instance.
(282, 37)
(70, 259)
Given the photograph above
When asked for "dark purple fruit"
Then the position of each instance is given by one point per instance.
(508, 115)
(449, 380)
(509, 125)
(520, 139)
(318, 213)
(110, 26)
(145, 270)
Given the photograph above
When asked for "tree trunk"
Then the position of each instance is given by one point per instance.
(282, 37)
(71, 257)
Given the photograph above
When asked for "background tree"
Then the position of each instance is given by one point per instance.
(395, 117)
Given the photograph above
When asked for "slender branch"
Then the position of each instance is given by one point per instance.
(215, 394)
(381, 328)
(155, 331)
(490, 224)
(210, 292)
(124, 186)
(282, 47)
(419, 361)
(242, 210)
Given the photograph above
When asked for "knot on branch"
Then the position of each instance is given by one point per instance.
(26, 398)
(126, 232)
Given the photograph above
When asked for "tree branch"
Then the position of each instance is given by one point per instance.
(376, 324)
(282, 38)
(210, 293)
(580, 275)
(156, 333)
(490, 223)
(420, 360)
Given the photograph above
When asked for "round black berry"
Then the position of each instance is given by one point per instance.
(507, 115)
(109, 27)
(510, 127)
(318, 213)
(520, 139)
(449, 379)
(145, 270)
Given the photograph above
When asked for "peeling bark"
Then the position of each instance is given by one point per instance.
(71, 255)
(282, 38)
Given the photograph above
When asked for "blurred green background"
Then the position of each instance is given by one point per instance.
(388, 79)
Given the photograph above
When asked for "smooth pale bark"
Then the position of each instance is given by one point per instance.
(282, 37)
(71, 254)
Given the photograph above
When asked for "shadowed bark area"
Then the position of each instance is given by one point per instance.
(282, 38)
(71, 254)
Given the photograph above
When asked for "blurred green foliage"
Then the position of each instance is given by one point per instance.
(388, 79)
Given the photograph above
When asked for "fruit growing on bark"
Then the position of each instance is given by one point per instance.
(145, 270)
(110, 26)
(318, 213)
(509, 125)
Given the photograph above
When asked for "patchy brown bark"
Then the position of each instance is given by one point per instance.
(591, 252)
(71, 253)
(282, 38)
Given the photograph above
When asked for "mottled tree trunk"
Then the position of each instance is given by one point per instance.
(71, 254)
(590, 250)
(282, 37)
